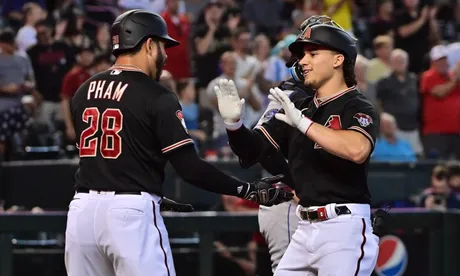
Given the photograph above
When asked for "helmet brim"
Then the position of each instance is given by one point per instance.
(170, 42)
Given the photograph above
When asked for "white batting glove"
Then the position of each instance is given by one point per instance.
(292, 116)
(231, 107)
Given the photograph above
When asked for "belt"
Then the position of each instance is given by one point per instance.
(86, 191)
(320, 213)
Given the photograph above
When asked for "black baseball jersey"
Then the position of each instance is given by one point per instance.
(126, 123)
(320, 177)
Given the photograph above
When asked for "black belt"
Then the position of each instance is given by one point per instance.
(86, 191)
(320, 213)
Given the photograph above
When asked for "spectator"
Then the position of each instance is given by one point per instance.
(382, 23)
(365, 87)
(74, 35)
(247, 67)
(276, 70)
(211, 39)
(72, 81)
(228, 66)
(389, 147)
(398, 95)
(441, 106)
(51, 60)
(439, 196)
(379, 67)
(103, 43)
(178, 63)
(415, 30)
(16, 80)
(27, 34)
(191, 110)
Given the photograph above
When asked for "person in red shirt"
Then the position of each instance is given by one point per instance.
(441, 106)
(178, 62)
(87, 66)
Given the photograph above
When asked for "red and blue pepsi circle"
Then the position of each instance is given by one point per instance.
(392, 260)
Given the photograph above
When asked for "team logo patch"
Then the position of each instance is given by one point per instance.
(364, 120)
(333, 122)
(180, 116)
(269, 114)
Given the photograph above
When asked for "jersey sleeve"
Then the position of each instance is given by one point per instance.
(362, 117)
(273, 130)
(169, 123)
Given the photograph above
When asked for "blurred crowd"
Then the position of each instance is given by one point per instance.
(408, 66)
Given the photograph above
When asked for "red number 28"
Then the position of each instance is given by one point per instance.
(111, 124)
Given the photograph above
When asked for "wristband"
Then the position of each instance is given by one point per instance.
(305, 124)
(233, 126)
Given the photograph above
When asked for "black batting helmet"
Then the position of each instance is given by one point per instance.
(132, 27)
(323, 31)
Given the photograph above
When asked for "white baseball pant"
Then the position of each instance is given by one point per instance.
(122, 235)
(277, 224)
(340, 246)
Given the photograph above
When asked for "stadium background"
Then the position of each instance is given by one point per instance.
(49, 47)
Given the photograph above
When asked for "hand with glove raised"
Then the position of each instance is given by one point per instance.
(230, 106)
(265, 192)
(292, 116)
(173, 206)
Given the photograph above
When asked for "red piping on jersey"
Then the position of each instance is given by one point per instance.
(362, 248)
(161, 238)
(315, 100)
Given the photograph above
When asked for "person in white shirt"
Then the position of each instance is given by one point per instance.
(27, 35)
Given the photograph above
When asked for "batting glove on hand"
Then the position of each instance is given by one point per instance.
(171, 205)
(292, 116)
(231, 107)
(265, 193)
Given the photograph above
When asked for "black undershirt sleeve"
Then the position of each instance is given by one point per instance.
(277, 164)
(201, 174)
(248, 145)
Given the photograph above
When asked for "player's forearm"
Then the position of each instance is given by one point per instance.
(201, 174)
(347, 144)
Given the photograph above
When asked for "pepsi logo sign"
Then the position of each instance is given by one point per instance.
(392, 260)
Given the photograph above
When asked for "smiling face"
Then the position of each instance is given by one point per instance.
(319, 65)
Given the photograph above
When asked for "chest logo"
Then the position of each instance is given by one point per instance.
(180, 116)
(364, 120)
(333, 122)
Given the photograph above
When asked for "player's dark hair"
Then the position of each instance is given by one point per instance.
(349, 72)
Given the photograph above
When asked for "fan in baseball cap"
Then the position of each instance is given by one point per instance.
(438, 52)
(438, 57)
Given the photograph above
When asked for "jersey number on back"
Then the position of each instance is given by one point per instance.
(111, 123)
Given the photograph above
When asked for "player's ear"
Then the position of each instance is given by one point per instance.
(149, 46)
(338, 60)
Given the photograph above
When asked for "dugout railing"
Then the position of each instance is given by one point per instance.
(441, 242)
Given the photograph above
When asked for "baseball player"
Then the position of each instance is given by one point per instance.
(129, 126)
(328, 139)
(277, 223)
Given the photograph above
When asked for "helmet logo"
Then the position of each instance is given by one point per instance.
(306, 33)
(115, 42)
